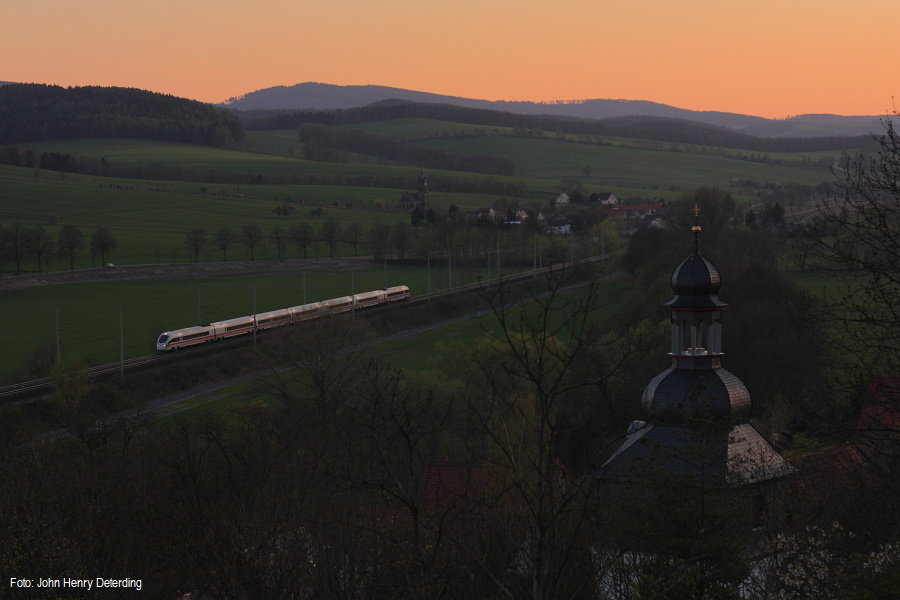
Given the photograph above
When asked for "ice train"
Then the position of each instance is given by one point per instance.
(190, 336)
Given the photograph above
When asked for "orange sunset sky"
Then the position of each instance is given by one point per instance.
(768, 58)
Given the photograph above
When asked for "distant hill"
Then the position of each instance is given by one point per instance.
(662, 129)
(33, 112)
(321, 96)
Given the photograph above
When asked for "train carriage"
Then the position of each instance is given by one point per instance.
(367, 299)
(397, 293)
(306, 311)
(233, 327)
(180, 338)
(338, 305)
(274, 318)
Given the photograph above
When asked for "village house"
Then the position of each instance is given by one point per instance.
(605, 198)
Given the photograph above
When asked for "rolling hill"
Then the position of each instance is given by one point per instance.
(321, 96)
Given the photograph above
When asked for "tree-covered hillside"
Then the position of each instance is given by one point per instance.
(33, 112)
(662, 129)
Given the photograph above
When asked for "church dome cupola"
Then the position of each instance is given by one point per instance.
(695, 384)
(696, 310)
(696, 281)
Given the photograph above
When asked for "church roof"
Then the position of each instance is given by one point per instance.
(671, 396)
(682, 451)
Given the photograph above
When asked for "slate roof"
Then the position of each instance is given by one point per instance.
(679, 451)
(667, 398)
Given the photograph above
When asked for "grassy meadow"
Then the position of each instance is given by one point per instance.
(89, 312)
(150, 219)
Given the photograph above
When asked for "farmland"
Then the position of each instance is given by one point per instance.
(153, 216)
(150, 218)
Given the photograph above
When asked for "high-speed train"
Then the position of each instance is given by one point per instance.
(190, 336)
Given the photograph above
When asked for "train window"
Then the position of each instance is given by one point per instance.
(162, 339)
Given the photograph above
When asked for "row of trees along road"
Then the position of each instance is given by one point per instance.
(19, 243)
(467, 241)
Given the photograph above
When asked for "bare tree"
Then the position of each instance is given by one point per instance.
(716, 211)
(222, 239)
(279, 237)
(353, 235)
(301, 235)
(854, 239)
(252, 236)
(42, 246)
(194, 242)
(379, 237)
(330, 233)
(14, 244)
(102, 241)
(69, 241)
(2, 247)
(519, 383)
(400, 237)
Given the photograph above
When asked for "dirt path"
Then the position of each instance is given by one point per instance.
(183, 271)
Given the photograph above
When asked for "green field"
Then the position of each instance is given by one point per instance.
(89, 312)
(417, 353)
(628, 167)
(150, 218)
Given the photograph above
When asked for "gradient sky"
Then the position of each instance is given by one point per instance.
(771, 58)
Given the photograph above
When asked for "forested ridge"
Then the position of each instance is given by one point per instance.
(330, 144)
(663, 129)
(33, 112)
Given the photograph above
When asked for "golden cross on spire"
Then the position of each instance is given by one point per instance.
(696, 228)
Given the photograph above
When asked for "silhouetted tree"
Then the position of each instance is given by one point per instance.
(194, 242)
(854, 240)
(222, 239)
(716, 212)
(400, 238)
(252, 237)
(42, 246)
(69, 241)
(353, 235)
(102, 241)
(330, 233)
(302, 236)
(14, 244)
(379, 237)
(279, 237)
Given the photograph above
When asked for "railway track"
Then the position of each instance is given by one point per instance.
(39, 387)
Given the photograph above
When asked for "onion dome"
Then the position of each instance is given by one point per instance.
(696, 281)
(677, 393)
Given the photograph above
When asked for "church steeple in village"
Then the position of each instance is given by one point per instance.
(419, 200)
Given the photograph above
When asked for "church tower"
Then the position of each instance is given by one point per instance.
(694, 386)
(422, 190)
